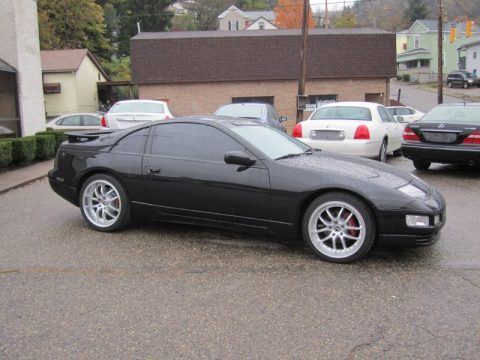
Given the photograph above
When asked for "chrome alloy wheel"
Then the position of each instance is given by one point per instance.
(337, 229)
(101, 203)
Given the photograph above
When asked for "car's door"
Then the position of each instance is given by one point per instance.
(273, 118)
(186, 176)
(393, 128)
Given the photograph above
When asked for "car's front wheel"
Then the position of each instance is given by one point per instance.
(421, 164)
(338, 227)
(104, 203)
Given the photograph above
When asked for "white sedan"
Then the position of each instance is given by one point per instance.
(76, 121)
(129, 113)
(352, 128)
(405, 113)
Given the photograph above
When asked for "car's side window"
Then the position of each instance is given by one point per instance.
(90, 120)
(193, 142)
(133, 143)
(403, 111)
(70, 121)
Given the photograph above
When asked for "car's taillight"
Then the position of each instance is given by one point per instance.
(167, 117)
(362, 133)
(409, 135)
(297, 130)
(473, 138)
(103, 122)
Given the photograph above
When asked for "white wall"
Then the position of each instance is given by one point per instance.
(19, 46)
(87, 77)
(66, 101)
(471, 62)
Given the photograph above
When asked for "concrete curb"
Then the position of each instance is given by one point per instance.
(26, 182)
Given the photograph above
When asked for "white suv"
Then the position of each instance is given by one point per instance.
(129, 113)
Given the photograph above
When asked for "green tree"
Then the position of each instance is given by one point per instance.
(72, 24)
(151, 15)
(416, 9)
(345, 20)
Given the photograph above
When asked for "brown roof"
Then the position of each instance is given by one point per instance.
(201, 56)
(66, 60)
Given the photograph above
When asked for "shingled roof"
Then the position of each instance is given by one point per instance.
(205, 56)
(67, 60)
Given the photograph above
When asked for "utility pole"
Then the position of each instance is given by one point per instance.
(440, 52)
(303, 59)
(326, 20)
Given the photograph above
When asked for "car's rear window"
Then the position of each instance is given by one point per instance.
(241, 110)
(453, 114)
(342, 113)
(138, 108)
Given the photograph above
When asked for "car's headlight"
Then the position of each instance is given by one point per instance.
(412, 191)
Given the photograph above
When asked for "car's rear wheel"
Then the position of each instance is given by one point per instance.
(465, 85)
(382, 154)
(338, 227)
(421, 164)
(104, 203)
(449, 84)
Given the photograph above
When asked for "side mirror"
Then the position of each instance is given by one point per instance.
(238, 158)
(283, 118)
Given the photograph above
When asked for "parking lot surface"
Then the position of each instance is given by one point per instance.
(160, 291)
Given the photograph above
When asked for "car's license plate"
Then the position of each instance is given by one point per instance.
(327, 135)
(440, 137)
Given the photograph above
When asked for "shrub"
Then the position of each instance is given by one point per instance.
(23, 149)
(406, 77)
(45, 146)
(399, 77)
(59, 136)
(5, 153)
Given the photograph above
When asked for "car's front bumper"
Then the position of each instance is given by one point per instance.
(447, 154)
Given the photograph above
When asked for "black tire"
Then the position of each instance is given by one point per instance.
(397, 152)
(382, 154)
(104, 203)
(318, 227)
(421, 164)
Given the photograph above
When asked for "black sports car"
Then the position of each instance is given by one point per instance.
(243, 175)
(449, 134)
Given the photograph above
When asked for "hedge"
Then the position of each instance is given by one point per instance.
(23, 149)
(406, 77)
(59, 136)
(5, 153)
(45, 146)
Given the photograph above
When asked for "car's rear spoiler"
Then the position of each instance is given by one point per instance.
(83, 136)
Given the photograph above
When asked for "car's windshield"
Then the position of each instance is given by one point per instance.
(469, 75)
(138, 107)
(241, 110)
(453, 114)
(342, 113)
(271, 142)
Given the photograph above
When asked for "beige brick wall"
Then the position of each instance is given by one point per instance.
(205, 98)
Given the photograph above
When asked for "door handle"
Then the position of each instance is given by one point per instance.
(153, 170)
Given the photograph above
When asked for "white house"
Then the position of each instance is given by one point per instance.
(234, 19)
(21, 97)
(472, 55)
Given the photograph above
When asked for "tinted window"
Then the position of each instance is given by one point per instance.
(271, 142)
(70, 121)
(403, 111)
(192, 141)
(453, 114)
(241, 110)
(133, 142)
(342, 113)
(392, 111)
(90, 120)
(138, 107)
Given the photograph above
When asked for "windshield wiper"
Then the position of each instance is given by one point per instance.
(306, 152)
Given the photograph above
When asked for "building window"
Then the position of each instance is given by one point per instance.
(474, 54)
(233, 25)
(315, 101)
(261, 25)
(51, 88)
(416, 41)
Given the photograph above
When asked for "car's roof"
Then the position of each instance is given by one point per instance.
(469, 104)
(398, 107)
(366, 104)
(140, 101)
(77, 114)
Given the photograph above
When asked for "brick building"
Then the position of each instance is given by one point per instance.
(196, 72)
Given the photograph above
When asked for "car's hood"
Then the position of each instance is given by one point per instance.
(352, 167)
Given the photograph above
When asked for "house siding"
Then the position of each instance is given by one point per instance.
(232, 16)
(65, 102)
(205, 98)
(86, 80)
(471, 63)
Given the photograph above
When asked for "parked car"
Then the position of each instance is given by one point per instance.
(353, 128)
(5, 131)
(243, 175)
(464, 79)
(76, 121)
(128, 113)
(448, 134)
(265, 113)
(405, 114)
